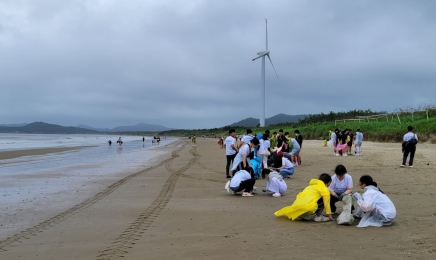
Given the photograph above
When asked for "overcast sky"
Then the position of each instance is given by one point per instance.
(187, 64)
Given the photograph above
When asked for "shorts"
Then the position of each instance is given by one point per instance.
(294, 152)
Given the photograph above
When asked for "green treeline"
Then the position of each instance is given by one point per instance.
(389, 128)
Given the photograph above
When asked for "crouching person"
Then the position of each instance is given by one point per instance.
(286, 167)
(310, 203)
(243, 180)
(375, 208)
(274, 183)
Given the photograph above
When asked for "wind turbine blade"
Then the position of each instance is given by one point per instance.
(266, 30)
(272, 65)
(257, 57)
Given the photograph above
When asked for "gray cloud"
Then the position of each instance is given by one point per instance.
(187, 64)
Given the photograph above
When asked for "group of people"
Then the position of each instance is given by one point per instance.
(280, 152)
(342, 142)
(374, 208)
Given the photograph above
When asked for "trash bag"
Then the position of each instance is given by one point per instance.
(346, 218)
(227, 187)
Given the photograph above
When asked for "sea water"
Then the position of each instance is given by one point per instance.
(56, 181)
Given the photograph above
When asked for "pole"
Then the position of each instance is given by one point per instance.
(262, 93)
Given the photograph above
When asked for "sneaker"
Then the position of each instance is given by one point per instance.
(356, 217)
(276, 195)
(308, 217)
(410, 166)
(402, 165)
(321, 219)
(336, 154)
(387, 223)
(247, 194)
(344, 154)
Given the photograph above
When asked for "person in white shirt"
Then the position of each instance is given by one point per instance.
(287, 168)
(341, 185)
(267, 146)
(274, 183)
(246, 138)
(242, 159)
(261, 150)
(358, 142)
(243, 180)
(375, 208)
(231, 150)
(409, 146)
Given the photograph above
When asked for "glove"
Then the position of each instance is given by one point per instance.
(356, 196)
(341, 196)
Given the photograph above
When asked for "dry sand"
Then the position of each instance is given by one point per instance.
(178, 209)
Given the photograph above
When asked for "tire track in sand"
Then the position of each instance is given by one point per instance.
(71, 211)
(124, 242)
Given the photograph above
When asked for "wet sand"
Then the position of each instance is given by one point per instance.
(179, 209)
(20, 153)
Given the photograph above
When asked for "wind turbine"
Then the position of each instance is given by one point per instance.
(262, 55)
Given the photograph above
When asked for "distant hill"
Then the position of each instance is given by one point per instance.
(280, 118)
(45, 128)
(13, 125)
(142, 127)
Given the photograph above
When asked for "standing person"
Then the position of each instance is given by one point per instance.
(350, 143)
(143, 139)
(341, 147)
(342, 184)
(261, 150)
(194, 139)
(243, 180)
(246, 138)
(332, 141)
(274, 183)
(242, 159)
(295, 151)
(120, 142)
(230, 145)
(299, 139)
(312, 200)
(281, 139)
(409, 146)
(221, 142)
(358, 142)
(266, 144)
(273, 140)
(377, 209)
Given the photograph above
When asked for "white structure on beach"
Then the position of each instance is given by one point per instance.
(262, 55)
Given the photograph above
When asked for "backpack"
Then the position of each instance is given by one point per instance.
(411, 143)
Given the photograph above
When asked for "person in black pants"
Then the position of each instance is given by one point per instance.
(243, 180)
(341, 185)
(231, 150)
(409, 146)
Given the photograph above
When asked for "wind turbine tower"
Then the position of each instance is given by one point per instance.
(262, 55)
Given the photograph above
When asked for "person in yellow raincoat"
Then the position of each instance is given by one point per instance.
(312, 200)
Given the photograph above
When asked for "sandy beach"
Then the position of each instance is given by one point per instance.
(178, 209)
(43, 151)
